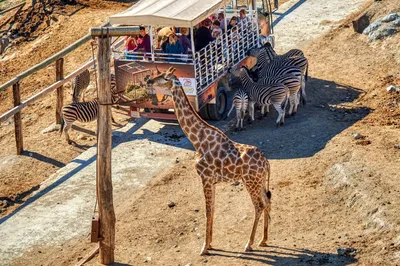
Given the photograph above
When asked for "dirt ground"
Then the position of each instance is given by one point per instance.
(46, 153)
(330, 190)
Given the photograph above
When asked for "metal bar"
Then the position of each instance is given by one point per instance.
(11, 8)
(44, 92)
(151, 43)
(113, 31)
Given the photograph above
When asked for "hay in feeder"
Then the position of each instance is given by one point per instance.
(137, 93)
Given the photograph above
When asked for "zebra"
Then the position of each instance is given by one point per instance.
(241, 103)
(79, 84)
(292, 82)
(273, 55)
(83, 112)
(267, 67)
(276, 94)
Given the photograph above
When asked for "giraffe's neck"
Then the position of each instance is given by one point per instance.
(200, 133)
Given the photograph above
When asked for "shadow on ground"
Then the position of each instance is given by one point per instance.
(326, 114)
(286, 256)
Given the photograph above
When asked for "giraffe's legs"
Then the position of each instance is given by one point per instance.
(263, 242)
(257, 215)
(209, 194)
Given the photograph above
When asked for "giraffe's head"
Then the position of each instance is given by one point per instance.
(163, 79)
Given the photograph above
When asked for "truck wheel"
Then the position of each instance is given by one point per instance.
(217, 111)
(204, 113)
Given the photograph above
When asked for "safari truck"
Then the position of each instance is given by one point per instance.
(201, 72)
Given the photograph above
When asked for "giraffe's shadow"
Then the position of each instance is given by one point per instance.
(275, 255)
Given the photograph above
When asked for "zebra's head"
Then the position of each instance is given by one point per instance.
(254, 52)
(163, 79)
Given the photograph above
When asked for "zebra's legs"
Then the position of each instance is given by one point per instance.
(293, 100)
(281, 118)
(66, 130)
(251, 110)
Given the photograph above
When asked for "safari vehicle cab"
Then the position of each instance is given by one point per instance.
(201, 72)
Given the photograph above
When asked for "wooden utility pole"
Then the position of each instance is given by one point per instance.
(17, 120)
(60, 90)
(104, 141)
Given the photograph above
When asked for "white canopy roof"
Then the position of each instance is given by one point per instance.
(179, 13)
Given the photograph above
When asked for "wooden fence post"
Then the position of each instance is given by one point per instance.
(17, 120)
(104, 141)
(60, 90)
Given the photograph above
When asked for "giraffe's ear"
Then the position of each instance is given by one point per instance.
(158, 71)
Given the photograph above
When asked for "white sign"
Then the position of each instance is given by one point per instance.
(189, 85)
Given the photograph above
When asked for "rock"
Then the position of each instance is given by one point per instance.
(147, 259)
(395, 23)
(372, 27)
(205, 261)
(397, 146)
(373, 94)
(189, 264)
(82, 137)
(177, 160)
(237, 183)
(347, 252)
(159, 240)
(358, 136)
(198, 235)
(390, 17)
(382, 33)
(260, 143)
(196, 228)
(52, 128)
(196, 210)
(5, 203)
(391, 88)
(171, 204)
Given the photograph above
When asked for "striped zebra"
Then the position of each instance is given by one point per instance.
(240, 103)
(83, 112)
(273, 55)
(292, 82)
(79, 85)
(275, 94)
(266, 67)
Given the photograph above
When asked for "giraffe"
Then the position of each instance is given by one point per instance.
(219, 159)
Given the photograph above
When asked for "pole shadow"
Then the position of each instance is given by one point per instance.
(287, 12)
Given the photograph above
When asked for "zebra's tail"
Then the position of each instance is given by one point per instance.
(303, 95)
(62, 125)
(285, 102)
(307, 72)
(233, 106)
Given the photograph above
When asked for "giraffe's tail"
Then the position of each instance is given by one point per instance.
(268, 192)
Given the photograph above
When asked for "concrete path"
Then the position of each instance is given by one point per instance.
(297, 22)
(62, 209)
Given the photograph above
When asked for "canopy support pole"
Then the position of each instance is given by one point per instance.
(151, 43)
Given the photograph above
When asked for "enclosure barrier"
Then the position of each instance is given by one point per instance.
(15, 83)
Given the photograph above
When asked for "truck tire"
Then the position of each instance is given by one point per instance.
(203, 112)
(218, 110)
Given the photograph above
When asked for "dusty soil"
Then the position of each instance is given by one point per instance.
(46, 153)
(329, 189)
